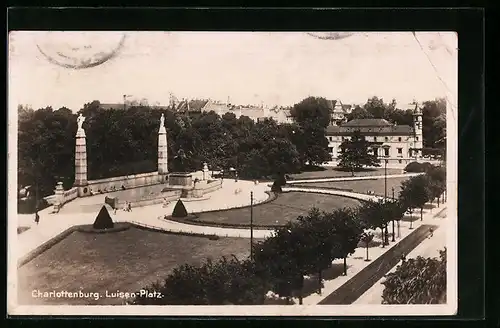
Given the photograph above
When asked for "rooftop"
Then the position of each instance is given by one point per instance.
(370, 127)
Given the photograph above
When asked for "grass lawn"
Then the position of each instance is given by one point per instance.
(126, 261)
(362, 186)
(333, 172)
(288, 206)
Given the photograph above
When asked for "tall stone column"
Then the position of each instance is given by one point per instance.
(162, 151)
(81, 159)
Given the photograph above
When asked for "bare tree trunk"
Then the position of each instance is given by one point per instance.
(320, 280)
(367, 259)
(301, 287)
(421, 213)
(383, 237)
(345, 265)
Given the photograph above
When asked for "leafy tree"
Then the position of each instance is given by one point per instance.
(437, 181)
(358, 113)
(417, 281)
(322, 244)
(367, 238)
(377, 215)
(222, 282)
(355, 153)
(434, 122)
(284, 259)
(377, 108)
(347, 230)
(313, 116)
(415, 193)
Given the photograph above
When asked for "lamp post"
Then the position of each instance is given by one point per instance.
(386, 149)
(393, 204)
(251, 225)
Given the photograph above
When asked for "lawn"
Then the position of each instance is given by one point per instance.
(333, 172)
(362, 186)
(125, 261)
(288, 206)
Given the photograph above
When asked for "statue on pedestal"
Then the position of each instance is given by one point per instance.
(80, 121)
(162, 121)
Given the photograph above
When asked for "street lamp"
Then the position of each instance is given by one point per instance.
(251, 225)
(386, 149)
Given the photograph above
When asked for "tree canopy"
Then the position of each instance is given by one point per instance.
(356, 152)
(417, 281)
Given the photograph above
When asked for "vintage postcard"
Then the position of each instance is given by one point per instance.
(232, 173)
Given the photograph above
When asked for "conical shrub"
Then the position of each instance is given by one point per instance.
(103, 220)
(179, 210)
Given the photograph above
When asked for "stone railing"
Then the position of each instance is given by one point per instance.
(124, 182)
(145, 200)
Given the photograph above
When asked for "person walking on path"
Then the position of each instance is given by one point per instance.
(37, 218)
(431, 232)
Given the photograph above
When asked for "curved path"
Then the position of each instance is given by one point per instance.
(53, 224)
(366, 177)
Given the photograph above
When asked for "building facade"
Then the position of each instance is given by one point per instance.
(398, 144)
(255, 113)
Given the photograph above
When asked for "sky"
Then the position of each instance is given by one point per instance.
(249, 67)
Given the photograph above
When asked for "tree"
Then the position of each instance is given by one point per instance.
(417, 281)
(347, 230)
(356, 153)
(312, 115)
(222, 282)
(415, 193)
(377, 215)
(322, 244)
(367, 238)
(437, 181)
(284, 259)
(434, 122)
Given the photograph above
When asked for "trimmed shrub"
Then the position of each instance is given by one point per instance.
(276, 187)
(103, 220)
(427, 167)
(414, 167)
(179, 210)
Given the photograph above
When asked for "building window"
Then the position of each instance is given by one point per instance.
(330, 149)
(375, 139)
(386, 151)
(399, 139)
(416, 138)
(400, 161)
(386, 138)
(400, 151)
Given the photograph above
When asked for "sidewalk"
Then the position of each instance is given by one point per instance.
(367, 177)
(356, 262)
(430, 247)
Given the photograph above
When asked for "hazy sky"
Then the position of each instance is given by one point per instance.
(275, 68)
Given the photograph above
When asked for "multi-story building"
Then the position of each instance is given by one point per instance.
(256, 113)
(339, 112)
(398, 144)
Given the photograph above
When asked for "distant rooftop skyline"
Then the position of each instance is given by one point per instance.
(250, 68)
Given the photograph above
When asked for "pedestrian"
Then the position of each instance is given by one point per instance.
(114, 209)
(129, 207)
(37, 218)
(432, 232)
(403, 258)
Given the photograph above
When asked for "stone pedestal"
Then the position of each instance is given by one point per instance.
(205, 171)
(180, 179)
(80, 162)
(162, 155)
(59, 194)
